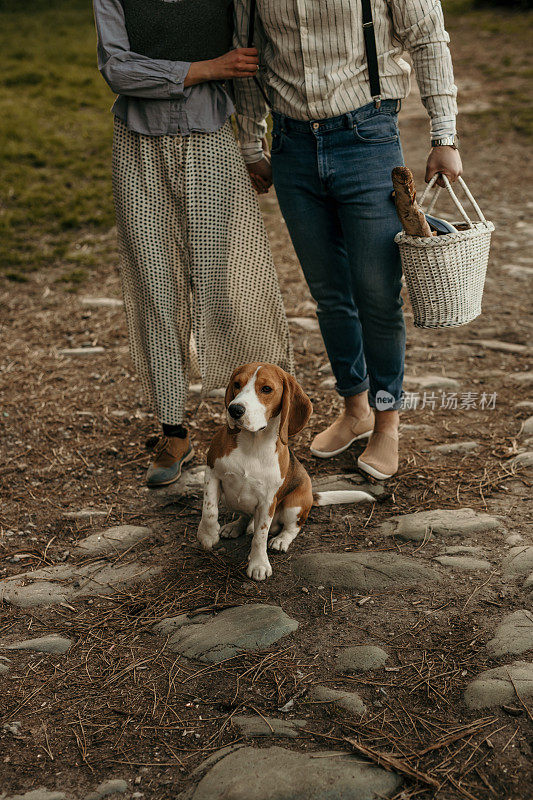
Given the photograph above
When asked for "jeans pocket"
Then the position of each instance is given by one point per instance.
(380, 128)
(277, 142)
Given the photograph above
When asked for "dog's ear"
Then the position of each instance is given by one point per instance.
(229, 391)
(296, 408)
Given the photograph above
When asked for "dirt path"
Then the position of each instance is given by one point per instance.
(444, 598)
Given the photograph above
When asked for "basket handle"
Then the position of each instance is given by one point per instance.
(454, 197)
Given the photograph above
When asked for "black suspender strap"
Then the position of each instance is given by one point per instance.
(371, 52)
(251, 31)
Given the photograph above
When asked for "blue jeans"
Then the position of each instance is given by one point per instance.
(333, 182)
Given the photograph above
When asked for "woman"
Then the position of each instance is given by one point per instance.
(195, 255)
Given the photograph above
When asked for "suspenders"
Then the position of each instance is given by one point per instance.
(371, 52)
(370, 49)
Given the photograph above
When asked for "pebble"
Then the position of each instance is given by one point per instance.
(463, 562)
(85, 513)
(280, 774)
(456, 447)
(307, 323)
(527, 427)
(231, 632)
(37, 794)
(111, 541)
(57, 645)
(348, 701)
(14, 728)
(361, 571)
(102, 302)
(267, 726)
(524, 405)
(518, 561)
(500, 347)
(61, 583)
(513, 635)
(361, 658)
(432, 382)
(80, 351)
(523, 460)
(495, 686)
(423, 525)
(522, 378)
(112, 786)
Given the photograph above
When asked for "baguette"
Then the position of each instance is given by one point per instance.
(412, 218)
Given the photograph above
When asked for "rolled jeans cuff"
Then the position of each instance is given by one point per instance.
(353, 390)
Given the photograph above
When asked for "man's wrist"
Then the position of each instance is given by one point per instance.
(445, 141)
(252, 152)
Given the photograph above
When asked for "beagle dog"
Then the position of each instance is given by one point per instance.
(250, 463)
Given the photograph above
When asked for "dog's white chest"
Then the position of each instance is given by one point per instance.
(250, 475)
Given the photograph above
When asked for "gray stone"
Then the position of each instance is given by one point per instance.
(85, 513)
(307, 323)
(14, 728)
(61, 583)
(529, 582)
(522, 378)
(495, 686)
(280, 774)
(57, 645)
(112, 540)
(81, 351)
(524, 460)
(348, 482)
(170, 625)
(463, 562)
(525, 405)
(361, 658)
(527, 427)
(513, 635)
(102, 302)
(191, 484)
(348, 701)
(500, 347)
(456, 447)
(232, 631)
(445, 522)
(113, 786)
(361, 571)
(432, 382)
(518, 561)
(38, 794)
(3, 668)
(267, 726)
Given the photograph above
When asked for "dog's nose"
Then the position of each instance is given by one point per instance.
(236, 410)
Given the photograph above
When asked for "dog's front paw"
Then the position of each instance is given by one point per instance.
(281, 542)
(208, 535)
(259, 570)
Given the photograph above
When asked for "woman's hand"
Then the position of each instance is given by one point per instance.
(445, 160)
(240, 63)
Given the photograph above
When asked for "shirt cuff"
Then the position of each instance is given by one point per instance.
(443, 126)
(177, 77)
(252, 151)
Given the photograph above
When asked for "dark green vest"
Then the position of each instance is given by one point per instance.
(179, 30)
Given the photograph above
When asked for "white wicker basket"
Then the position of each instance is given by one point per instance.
(445, 275)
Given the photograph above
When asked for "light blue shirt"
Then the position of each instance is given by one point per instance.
(151, 96)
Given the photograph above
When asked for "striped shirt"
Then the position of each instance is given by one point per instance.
(313, 62)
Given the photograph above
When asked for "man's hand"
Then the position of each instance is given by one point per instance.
(446, 160)
(261, 172)
(240, 63)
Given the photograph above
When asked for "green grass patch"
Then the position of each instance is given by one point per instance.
(55, 133)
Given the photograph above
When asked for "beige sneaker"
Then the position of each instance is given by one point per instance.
(380, 457)
(341, 434)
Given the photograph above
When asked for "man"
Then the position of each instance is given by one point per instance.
(335, 143)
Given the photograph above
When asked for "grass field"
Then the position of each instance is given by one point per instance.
(55, 126)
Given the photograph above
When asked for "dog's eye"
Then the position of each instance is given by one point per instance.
(237, 385)
(266, 389)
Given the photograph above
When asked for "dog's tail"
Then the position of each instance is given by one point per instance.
(334, 498)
